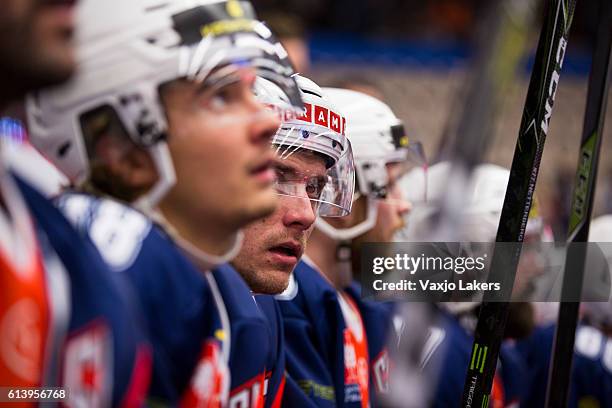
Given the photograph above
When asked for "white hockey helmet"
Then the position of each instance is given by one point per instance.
(126, 50)
(600, 231)
(482, 211)
(487, 190)
(378, 139)
(320, 127)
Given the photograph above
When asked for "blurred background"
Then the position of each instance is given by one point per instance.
(416, 54)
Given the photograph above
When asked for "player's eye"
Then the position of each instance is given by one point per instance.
(222, 97)
(314, 187)
(281, 174)
(312, 190)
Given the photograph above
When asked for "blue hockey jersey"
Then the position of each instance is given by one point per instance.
(105, 356)
(256, 360)
(275, 375)
(592, 371)
(185, 315)
(318, 361)
(591, 381)
(536, 353)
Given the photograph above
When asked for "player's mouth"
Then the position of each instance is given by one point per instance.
(264, 172)
(288, 252)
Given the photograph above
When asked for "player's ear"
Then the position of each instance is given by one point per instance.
(139, 170)
(358, 214)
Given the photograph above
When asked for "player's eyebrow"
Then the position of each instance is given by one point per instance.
(218, 78)
(286, 169)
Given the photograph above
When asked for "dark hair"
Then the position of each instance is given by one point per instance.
(96, 125)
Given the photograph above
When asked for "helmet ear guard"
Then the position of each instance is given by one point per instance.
(372, 178)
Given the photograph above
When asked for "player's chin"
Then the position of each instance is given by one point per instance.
(260, 204)
(270, 282)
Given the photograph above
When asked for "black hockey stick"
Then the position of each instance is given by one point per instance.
(581, 209)
(517, 202)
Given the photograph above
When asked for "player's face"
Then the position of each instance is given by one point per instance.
(219, 140)
(35, 43)
(391, 211)
(273, 246)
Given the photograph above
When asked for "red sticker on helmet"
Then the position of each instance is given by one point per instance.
(307, 115)
(334, 122)
(321, 115)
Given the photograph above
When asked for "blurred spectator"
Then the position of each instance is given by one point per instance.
(359, 83)
(290, 30)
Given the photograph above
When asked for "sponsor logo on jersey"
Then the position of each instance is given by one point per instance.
(380, 369)
(210, 384)
(250, 394)
(355, 369)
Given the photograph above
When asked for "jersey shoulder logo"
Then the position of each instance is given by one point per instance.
(209, 387)
(88, 366)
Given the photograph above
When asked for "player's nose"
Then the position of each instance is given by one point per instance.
(265, 122)
(298, 212)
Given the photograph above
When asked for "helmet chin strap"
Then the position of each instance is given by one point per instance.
(205, 261)
(167, 178)
(347, 234)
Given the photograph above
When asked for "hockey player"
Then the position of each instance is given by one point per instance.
(314, 177)
(65, 321)
(162, 100)
(327, 352)
(382, 153)
(591, 372)
(592, 366)
(448, 348)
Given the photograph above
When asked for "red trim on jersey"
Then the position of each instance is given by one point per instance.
(278, 398)
(136, 393)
